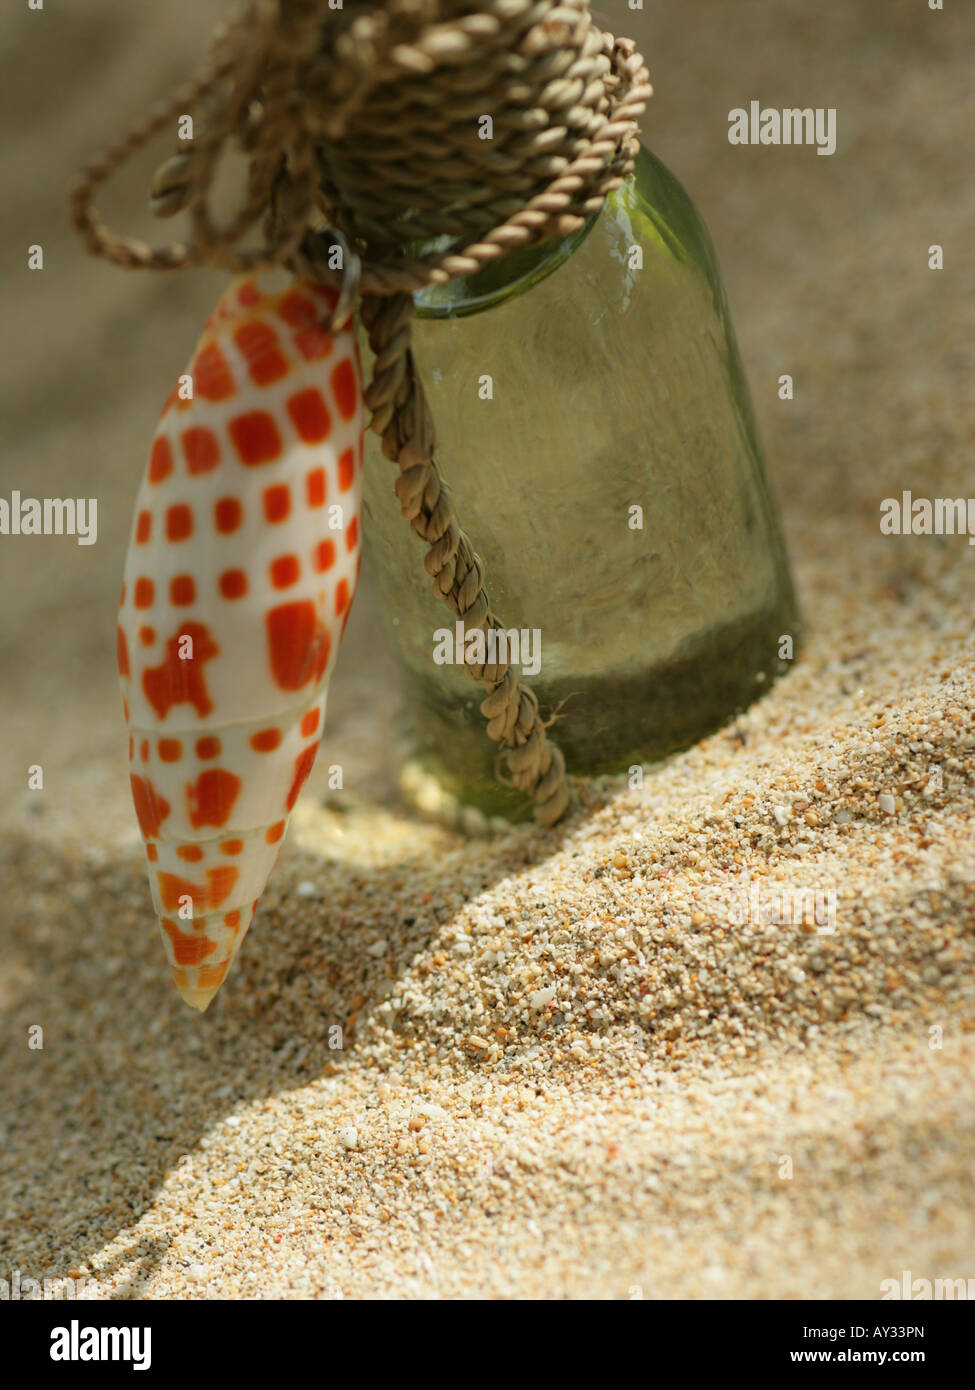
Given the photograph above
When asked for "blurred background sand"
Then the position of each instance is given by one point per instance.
(825, 261)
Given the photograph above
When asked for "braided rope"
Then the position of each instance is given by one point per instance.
(401, 416)
(370, 119)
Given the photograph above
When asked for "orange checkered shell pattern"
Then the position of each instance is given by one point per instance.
(241, 568)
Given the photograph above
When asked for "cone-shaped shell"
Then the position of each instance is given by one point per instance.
(241, 568)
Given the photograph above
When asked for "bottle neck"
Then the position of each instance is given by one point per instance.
(498, 281)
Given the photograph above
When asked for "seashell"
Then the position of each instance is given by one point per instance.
(241, 569)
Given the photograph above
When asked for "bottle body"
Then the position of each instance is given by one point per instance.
(594, 425)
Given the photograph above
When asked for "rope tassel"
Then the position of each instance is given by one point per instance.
(401, 416)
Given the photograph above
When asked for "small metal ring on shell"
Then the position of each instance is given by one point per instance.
(315, 250)
(351, 275)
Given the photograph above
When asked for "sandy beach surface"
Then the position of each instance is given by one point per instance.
(569, 1069)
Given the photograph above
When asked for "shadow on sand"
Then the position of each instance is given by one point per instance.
(129, 1080)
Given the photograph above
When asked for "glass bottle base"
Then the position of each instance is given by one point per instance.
(635, 720)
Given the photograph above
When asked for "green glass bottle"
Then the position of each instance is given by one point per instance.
(594, 424)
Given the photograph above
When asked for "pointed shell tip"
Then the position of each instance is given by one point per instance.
(198, 998)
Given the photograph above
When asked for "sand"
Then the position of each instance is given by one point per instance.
(539, 1064)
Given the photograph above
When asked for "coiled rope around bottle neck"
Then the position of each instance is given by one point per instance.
(396, 122)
